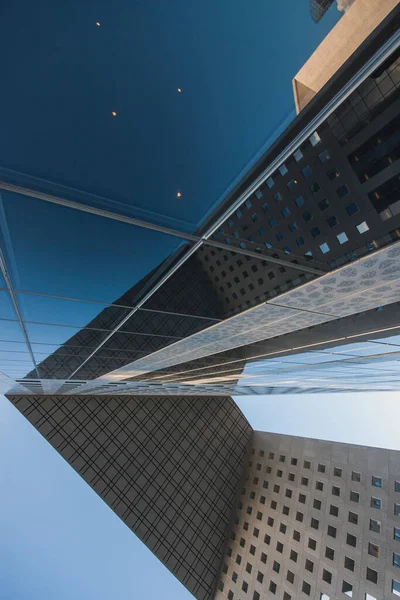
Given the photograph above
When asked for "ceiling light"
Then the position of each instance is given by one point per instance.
(114, 114)
(178, 194)
(179, 90)
(98, 24)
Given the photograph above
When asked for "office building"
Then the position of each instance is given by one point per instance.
(318, 8)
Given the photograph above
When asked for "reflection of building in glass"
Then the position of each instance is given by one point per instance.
(318, 8)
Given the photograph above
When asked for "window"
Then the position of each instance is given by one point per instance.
(319, 486)
(276, 567)
(288, 493)
(238, 559)
(252, 549)
(314, 523)
(290, 576)
(270, 521)
(312, 544)
(293, 556)
(315, 187)
(292, 185)
(396, 533)
(299, 201)
(285, 510)
(307, 171)
(327, 576)
(292, 227)
(302, 498)
(282, 528)
(396, 559)
(352, 209)
(245, 586)
(283, 169)
(369, 597)
(249, 567)
(375, 526)
(355, 476)
(264, 557)
(324, 596)
(256, 532)
(362, 227)
(347, 589)
(330, 553)
(351, 540)
(335, 490)
(376, 503)
(230, 595)
(272, 587)
(337, 472)
(397, 486)
(270, 182)
(342, 238)
(324, 156)
(304, 481)
(253, 494)
(395, 587)
(256, 596)
(249, 510)
(296, 535)
(333, 173)
(276, 489)
(349, 563)
(376, 481)
(309, 565)
(221, 586)
(273, 222)
(300, 242)
(353, 518)
(323, 205)
(332, 221)
(317, 504)
(397, 510)
(299, 516)
(314, 139)
(307, 216)
(242, 542)
(265, 484)
(234, 577)
(354, 496)
(372, 575)
(331, 531)
(285, 212)
(297, 155)
(324, 248)
(291, 477)
(262, 499)
(315, 232)
(267, 539)
(279, 547)
(342, 191)
(282, 458)
(306, 588)
(307, 464)
(334, 510)
(294, 462)
(373, 550)
(229, 552)
(273, 504)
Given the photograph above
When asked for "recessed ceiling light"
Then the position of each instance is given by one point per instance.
(179, 90)
(114, 114)
(178, 194)
(98, 24)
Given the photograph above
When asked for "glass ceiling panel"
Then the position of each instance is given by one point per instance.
(6, 307)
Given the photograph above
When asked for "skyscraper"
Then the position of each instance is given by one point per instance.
(318, 8)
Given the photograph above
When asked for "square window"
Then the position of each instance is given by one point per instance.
(292, 185)
(395, 587)
(245, 526)
(330, 553)
(324, 248)
(288, 493)
(245, 586)
(265, 207)
(342, 238)
(279, 547)
(315, 232)
(324, 156)
(279, 472)
(332, 221)
(362, 227)
(353, 518)
(342, 191)
(307, 464)
(307, 216)
(285, 510)
(270, 521)
(270, 182)
(354, 496)
(221, 586)
(283, 169)
(302, 498)
(315, 187)
(230, 595)
(300, 242)
(373, 550)
(264, 557)
(312, 544)
(234, 577)
(267, 539)
(319, 486)
(369, 597)
(276, 488)
(376, 481)
(291, 477)
(347, 589)
(396, 534)
(307, 171)
(309, 565)
(397, 510)
(314, 139)
(317, 504)
(349, 563)
(396, 559)
(333, 173)
(256, 596)
(375, 525)
(271, 455)
(324, 596)
(285, 212)
(331, 531)
(299, 516)
(290, 577)
(314, 523)
(248, 203)
(242, 542)
(249, 567)
(355, 476)
(327, 576)
(304, 481)
(282, 458)
(272, 587)
(337, 472)
(273, 222)
(259, 194)
(260, 577)
(376, 503)
(397, 486)
(351, 540)
(306, 588)
(296, 535)
(297, 155)
(276, 567)
(299, 201)
(256, 532)
(293, 461)
(321, 468)
(334, 510)
(265, 484)
(293, 556)
(352, 209)
(372, 575)
(238, 559)
(292, 227)
(335, 490)
(282, 528)
(323, 205)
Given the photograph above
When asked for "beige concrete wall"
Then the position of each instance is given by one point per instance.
(340, 43)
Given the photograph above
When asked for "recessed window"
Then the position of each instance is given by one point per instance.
(351, 540)
(238, 559)
(260, 577)
(245, 586)
(282, 458)
(307, 216)
(376, 503)
(299, 201)
(221, 586)
(347, 589)
(292, 185)
(362, 227)
(273, 222)
(323, 205)
(315, 232)
(265, 484)
(230, 595)
(259, 194)
(297, 155)
(324, 248)
(397, 510)
(267, 539)
(306, 588)
(349, 563)
(353, 518)
(373, 550)
(376, 481)
(252, 549)
(307, 464)
(290, 577)
(299, 516)
(293, 556)
(397, 486)
(279, 547)
(262, 499)
(282, 528)
(314, 523)
(375, 525)
(312, 544)
(265, 207)
(302, 498)
(342, 238)
(352, 209)
(355, 476)
(296, 535)
(256, 532)
(327, 576)
(324, 156)
(277, 488)
(270, 182)
(331, 531)
(268, 469)
(292, 226)
(324, 596)
(342, 191)
(309, 565)
(264, 557)
(256, 596)
(334, 510)
(335, 490)
(369, 597)
(300, 242)
(276, 566)
(314, 139)
(285, 509)
(291, 476)
(333, 173)
(395, 587)
(272, 587)
(317, 504)
(277, 197)
(396, 559)
(242, 542)
(337, 472)
(372, 575)
(319, 486)
(330, 553)
(283, 169)
(396, 533)
(315, 187)
(270, 521)
(285, 212)
(307, 171)
(354, 496)
(332, 221)
(288, 493)
(249, 567)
